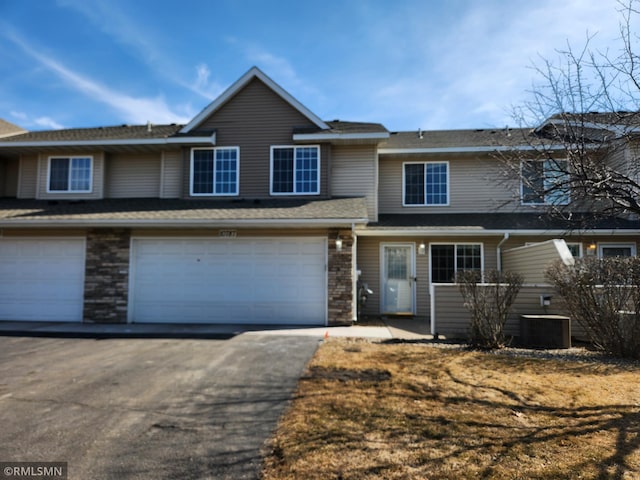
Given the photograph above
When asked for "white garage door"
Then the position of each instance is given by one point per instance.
(236, 280)
(42, 279)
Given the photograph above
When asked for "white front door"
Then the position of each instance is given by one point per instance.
(398, 279)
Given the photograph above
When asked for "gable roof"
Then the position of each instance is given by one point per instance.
(238, 85)
(7, 129)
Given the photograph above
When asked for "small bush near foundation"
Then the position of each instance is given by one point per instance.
(603, 296)
(489, 304)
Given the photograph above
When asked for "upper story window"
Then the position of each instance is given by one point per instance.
(426, 183)
(70, 174)
(295, 170)
(215, 171)
(545, 182)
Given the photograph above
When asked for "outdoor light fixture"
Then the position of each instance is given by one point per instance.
(422, 248)
(338, 244)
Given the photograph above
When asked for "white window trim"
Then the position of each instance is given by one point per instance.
(455, 245)
(70, 157)
(431, 205)
(544, 202)
(215, 173)
(294, 147)
(631, 245)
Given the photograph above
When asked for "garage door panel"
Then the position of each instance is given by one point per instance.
(42, 279)
(229, 280)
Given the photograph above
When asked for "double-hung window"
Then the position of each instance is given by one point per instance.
(70, 175)
(426, 183)
(215, 171)
(295, 170)
(545, 182)
(449, 259)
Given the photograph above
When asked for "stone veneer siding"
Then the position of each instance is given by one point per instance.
(106, 283)
(340, 279)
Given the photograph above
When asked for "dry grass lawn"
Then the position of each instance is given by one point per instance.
(368, 410)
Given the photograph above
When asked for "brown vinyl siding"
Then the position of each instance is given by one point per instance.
(171, 174)
(531, 261)
(133, 176)
(28, 177)
(369, 262)
(255, 119)
(354, 173)
(452, 319)
(97, 191)
(474, 185)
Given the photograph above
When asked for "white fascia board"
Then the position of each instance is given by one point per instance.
(486, 149)
(482, 232)
(616, 129)
(304, 137)
(254, 72)
(210, 140)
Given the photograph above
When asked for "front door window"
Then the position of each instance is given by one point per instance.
(398, 279)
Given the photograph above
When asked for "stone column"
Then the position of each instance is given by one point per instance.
(106, 283)
(340, 278)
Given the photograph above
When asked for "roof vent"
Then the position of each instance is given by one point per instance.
(420, 136)
(148, 126)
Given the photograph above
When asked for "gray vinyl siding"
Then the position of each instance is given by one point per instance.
(354, 173)
(369, 262)
(133, 176)
(171, 174)
(531, 261)
(28, 177)
(98, 178)
(475, 185)
(255, 119)
(452, 319)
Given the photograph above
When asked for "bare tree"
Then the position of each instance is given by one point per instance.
(584, 155)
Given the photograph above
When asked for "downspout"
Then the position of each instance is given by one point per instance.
(354, 273)
(499, 251)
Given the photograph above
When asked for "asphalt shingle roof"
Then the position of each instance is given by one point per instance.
(121, 132)
(499, 221)
(14, 211)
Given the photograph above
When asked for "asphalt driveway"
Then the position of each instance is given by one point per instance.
(146, 408)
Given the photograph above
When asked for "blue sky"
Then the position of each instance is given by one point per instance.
(405, 63)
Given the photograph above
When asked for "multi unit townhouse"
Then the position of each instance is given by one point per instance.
(259, 211)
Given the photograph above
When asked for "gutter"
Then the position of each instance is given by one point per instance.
(209, 140)
(340, 136)
(476, 149)
(395, 232)
(185, 223)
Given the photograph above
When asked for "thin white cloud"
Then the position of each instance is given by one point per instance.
(19, 115)
(487, 64)
(125, 30)
(133, 109)
(48, 123)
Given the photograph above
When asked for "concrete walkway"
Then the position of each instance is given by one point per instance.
(387, 329)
